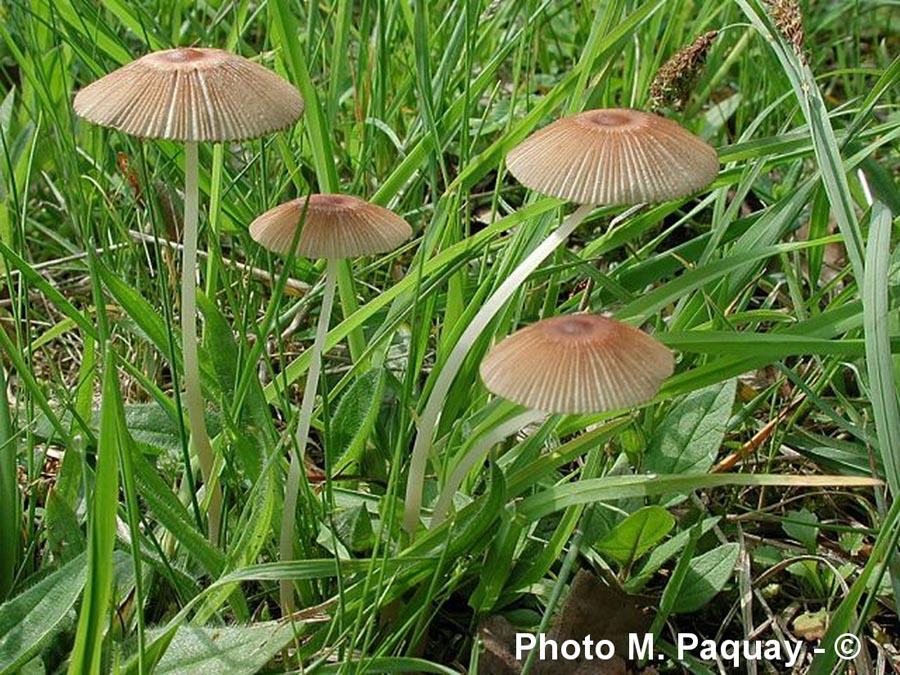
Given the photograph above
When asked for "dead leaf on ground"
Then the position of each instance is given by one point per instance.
(811, 626)
(591, 609)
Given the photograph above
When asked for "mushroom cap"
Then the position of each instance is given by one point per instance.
(191, 94)
(583, 363)
(336, 226)
(614, 156)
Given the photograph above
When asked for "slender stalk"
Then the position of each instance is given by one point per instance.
(591, 469)
(11, 522)
(291, 488)
(474, 454)
(192, 393)
(558, 588)
(422, 446)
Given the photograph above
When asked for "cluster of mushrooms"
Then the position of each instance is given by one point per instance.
(582, 363)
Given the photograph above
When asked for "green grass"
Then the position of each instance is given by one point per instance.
(776, 288)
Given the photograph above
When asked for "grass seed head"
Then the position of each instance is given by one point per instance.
(674, 81)
(788, 19)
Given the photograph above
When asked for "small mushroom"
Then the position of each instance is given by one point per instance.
(578, 364)
(333, 227)
(583, 363)
(192, 94)
(623, 157)
(611, 156)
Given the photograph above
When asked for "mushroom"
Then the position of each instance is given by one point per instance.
(192, 95)
(584, 363)
(333, 227)
(611, 156)
(572, 365)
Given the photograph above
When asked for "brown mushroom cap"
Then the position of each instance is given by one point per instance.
(614, 156)
(336, 226)
(582, 363)
(191, 94)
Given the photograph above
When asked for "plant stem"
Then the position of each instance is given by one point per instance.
(192, 393)
(10, 507)
(292, 487)
(422, 447)
(558, 588)
(475, 453)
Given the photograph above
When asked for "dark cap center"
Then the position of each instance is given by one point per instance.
(577, 325)
(331, 201)
(609, 118)
(183, 55)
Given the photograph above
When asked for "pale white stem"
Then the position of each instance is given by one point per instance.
(192, 393)
(422, 446)
(474, 454)
(292, 486)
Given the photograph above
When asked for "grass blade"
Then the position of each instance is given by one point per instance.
(10, 506)
(879, 362)
(621, 487)
(825, 144)
(92, 622)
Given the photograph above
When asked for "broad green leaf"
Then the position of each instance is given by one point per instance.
(662, 554)
(353, 528)
(148, 423)
(802, 525)
(707, 575)
(354, 419)
(224, 649)
(64, 533)
(151, 425)
(636, 535)
(31, 619)
(220, 355)
(690, 436)
(219, 348)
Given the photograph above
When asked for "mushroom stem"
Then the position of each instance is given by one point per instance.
(192, 392)
(476, 451)
(422, 446)
(292, 487)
